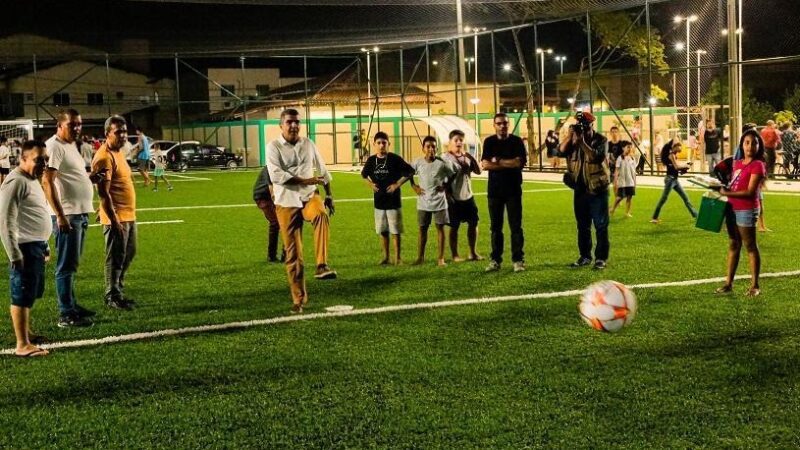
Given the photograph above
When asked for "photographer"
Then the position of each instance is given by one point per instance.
(587, 174)
(670, 161)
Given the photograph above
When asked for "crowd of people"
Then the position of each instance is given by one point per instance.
(51, 190)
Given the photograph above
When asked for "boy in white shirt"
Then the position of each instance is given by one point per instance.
(431, 200)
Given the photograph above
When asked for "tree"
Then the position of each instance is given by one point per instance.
(752, 109)
(785, 116)
(792, 102)
(658, 93)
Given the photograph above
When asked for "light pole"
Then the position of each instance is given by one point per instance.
(561, 60)
(688, 20)
(699, 53)
(541, 53)
(475, 100)
(369, 77)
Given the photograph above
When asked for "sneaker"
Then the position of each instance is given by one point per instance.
(493, 266)
(83, 312)
(155, 190)
(655, 221)
(599, 264)
(324, 272)
(169, 188)
(73, 320)
(119, 304)
(519, 266)
(581, 262)
(296, 309)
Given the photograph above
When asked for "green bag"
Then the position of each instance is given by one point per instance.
(712, 212)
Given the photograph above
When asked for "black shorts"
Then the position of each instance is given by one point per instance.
(463, 211)
(4, 170)
(628, 191)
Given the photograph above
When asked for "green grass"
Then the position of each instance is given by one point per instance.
(693, 370)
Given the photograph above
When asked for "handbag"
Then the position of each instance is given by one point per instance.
(712, 212)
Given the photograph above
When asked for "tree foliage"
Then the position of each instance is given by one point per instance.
(609, 28)
(792, 102)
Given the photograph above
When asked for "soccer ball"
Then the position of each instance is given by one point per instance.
(607, 306)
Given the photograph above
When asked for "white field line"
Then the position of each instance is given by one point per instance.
(158, 222)
(176, 181)
(368, 311)
(340, 200)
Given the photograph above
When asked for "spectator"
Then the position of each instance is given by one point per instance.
(693, 146)
(296, 169)
(669, 157)
(117, 210)
(385, 172)
(615, 149)
(24, 230)
(160, 164)
(504, 157)
(5, 159)
(359, 146)
(143, 156)
(433, 173)
(69, 192)
(772, 141)
(588, 175)
(743, 199)
(712, 139)
(87, 152)
(790, 141)
(462, 207)
(625, 179)
(551, 142)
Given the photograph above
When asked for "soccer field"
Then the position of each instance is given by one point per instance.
(693, 370)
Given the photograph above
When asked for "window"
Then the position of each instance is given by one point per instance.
(61, 99)
(94, 99)
(29, 97)
(226, 90)
(262, 90)
(120, 95)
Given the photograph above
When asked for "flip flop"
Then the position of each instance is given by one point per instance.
(33, 353)
(724, 290)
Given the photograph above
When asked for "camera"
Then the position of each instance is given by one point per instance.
(583, 124)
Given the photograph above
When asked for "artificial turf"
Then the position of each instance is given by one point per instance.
(693, 370)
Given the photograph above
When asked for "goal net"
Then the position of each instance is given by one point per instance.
(17, 130)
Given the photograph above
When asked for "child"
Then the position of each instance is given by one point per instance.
(385, 172)
(625, 179)
(264, 197)
(462, 206)
(25, 228)
(160, 161)
(431, 201)
(670, 161)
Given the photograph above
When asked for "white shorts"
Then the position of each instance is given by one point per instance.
(389, 221)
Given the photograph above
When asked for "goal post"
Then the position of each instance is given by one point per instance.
(19, 130)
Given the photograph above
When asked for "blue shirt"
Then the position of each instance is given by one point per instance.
(144, 153)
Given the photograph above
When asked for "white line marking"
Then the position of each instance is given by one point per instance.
(171, 180)
(158, 222)
(377, 310)
(341, 200)
(175, 175)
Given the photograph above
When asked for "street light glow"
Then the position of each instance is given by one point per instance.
(435, 62)
(570, 100)
(679, 46)
(652, 101)
(507, 67)
(375, 49)
(692, 18)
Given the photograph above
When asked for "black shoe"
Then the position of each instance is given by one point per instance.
(324, 272)
(71, 320)
(599, 264)
(581, 262)
(129, 301)
(83, 312)
(119, 304)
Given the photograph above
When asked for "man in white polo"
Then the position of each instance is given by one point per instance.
(296, 168)
(69, 192)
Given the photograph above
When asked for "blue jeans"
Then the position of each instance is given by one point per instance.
(592, 209)
(27, 284)
(69, 247)
(671, 183)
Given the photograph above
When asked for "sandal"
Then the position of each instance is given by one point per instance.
(724, 289)
(753, 292)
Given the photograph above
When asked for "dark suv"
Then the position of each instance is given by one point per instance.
(190, 155)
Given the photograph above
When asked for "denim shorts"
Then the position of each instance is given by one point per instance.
(747, 217)
(27, 284)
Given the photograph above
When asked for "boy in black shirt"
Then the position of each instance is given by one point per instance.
(385, 172)
(670, 161)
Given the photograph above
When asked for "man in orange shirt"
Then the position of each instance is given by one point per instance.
(772, 140)
(117, 210)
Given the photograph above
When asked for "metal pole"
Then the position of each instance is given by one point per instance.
(494, 75)
(402, 110)
(178, 99)
(428, 79)
(357, 158)
(369, 84)
(734, 80)
(650, 83)
(305, 87)
(378, 90)
(243, 95)
(540, 80)
(476, 99)
(688, 76)
(108, 86)
(35, 91)
(333, 121)
(698, 77)
(591, 68)
(461, 57)
(455, 75)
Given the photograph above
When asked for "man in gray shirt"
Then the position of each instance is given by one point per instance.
(24, 230)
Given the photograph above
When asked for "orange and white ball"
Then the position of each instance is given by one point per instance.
(607, 306)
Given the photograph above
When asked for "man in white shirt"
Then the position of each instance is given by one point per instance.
(296, 168)
(69, 193)
(5, 159)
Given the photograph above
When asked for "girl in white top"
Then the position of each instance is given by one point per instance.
(625, 179)
(160, 162)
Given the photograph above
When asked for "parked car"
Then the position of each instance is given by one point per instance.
(192, 154)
